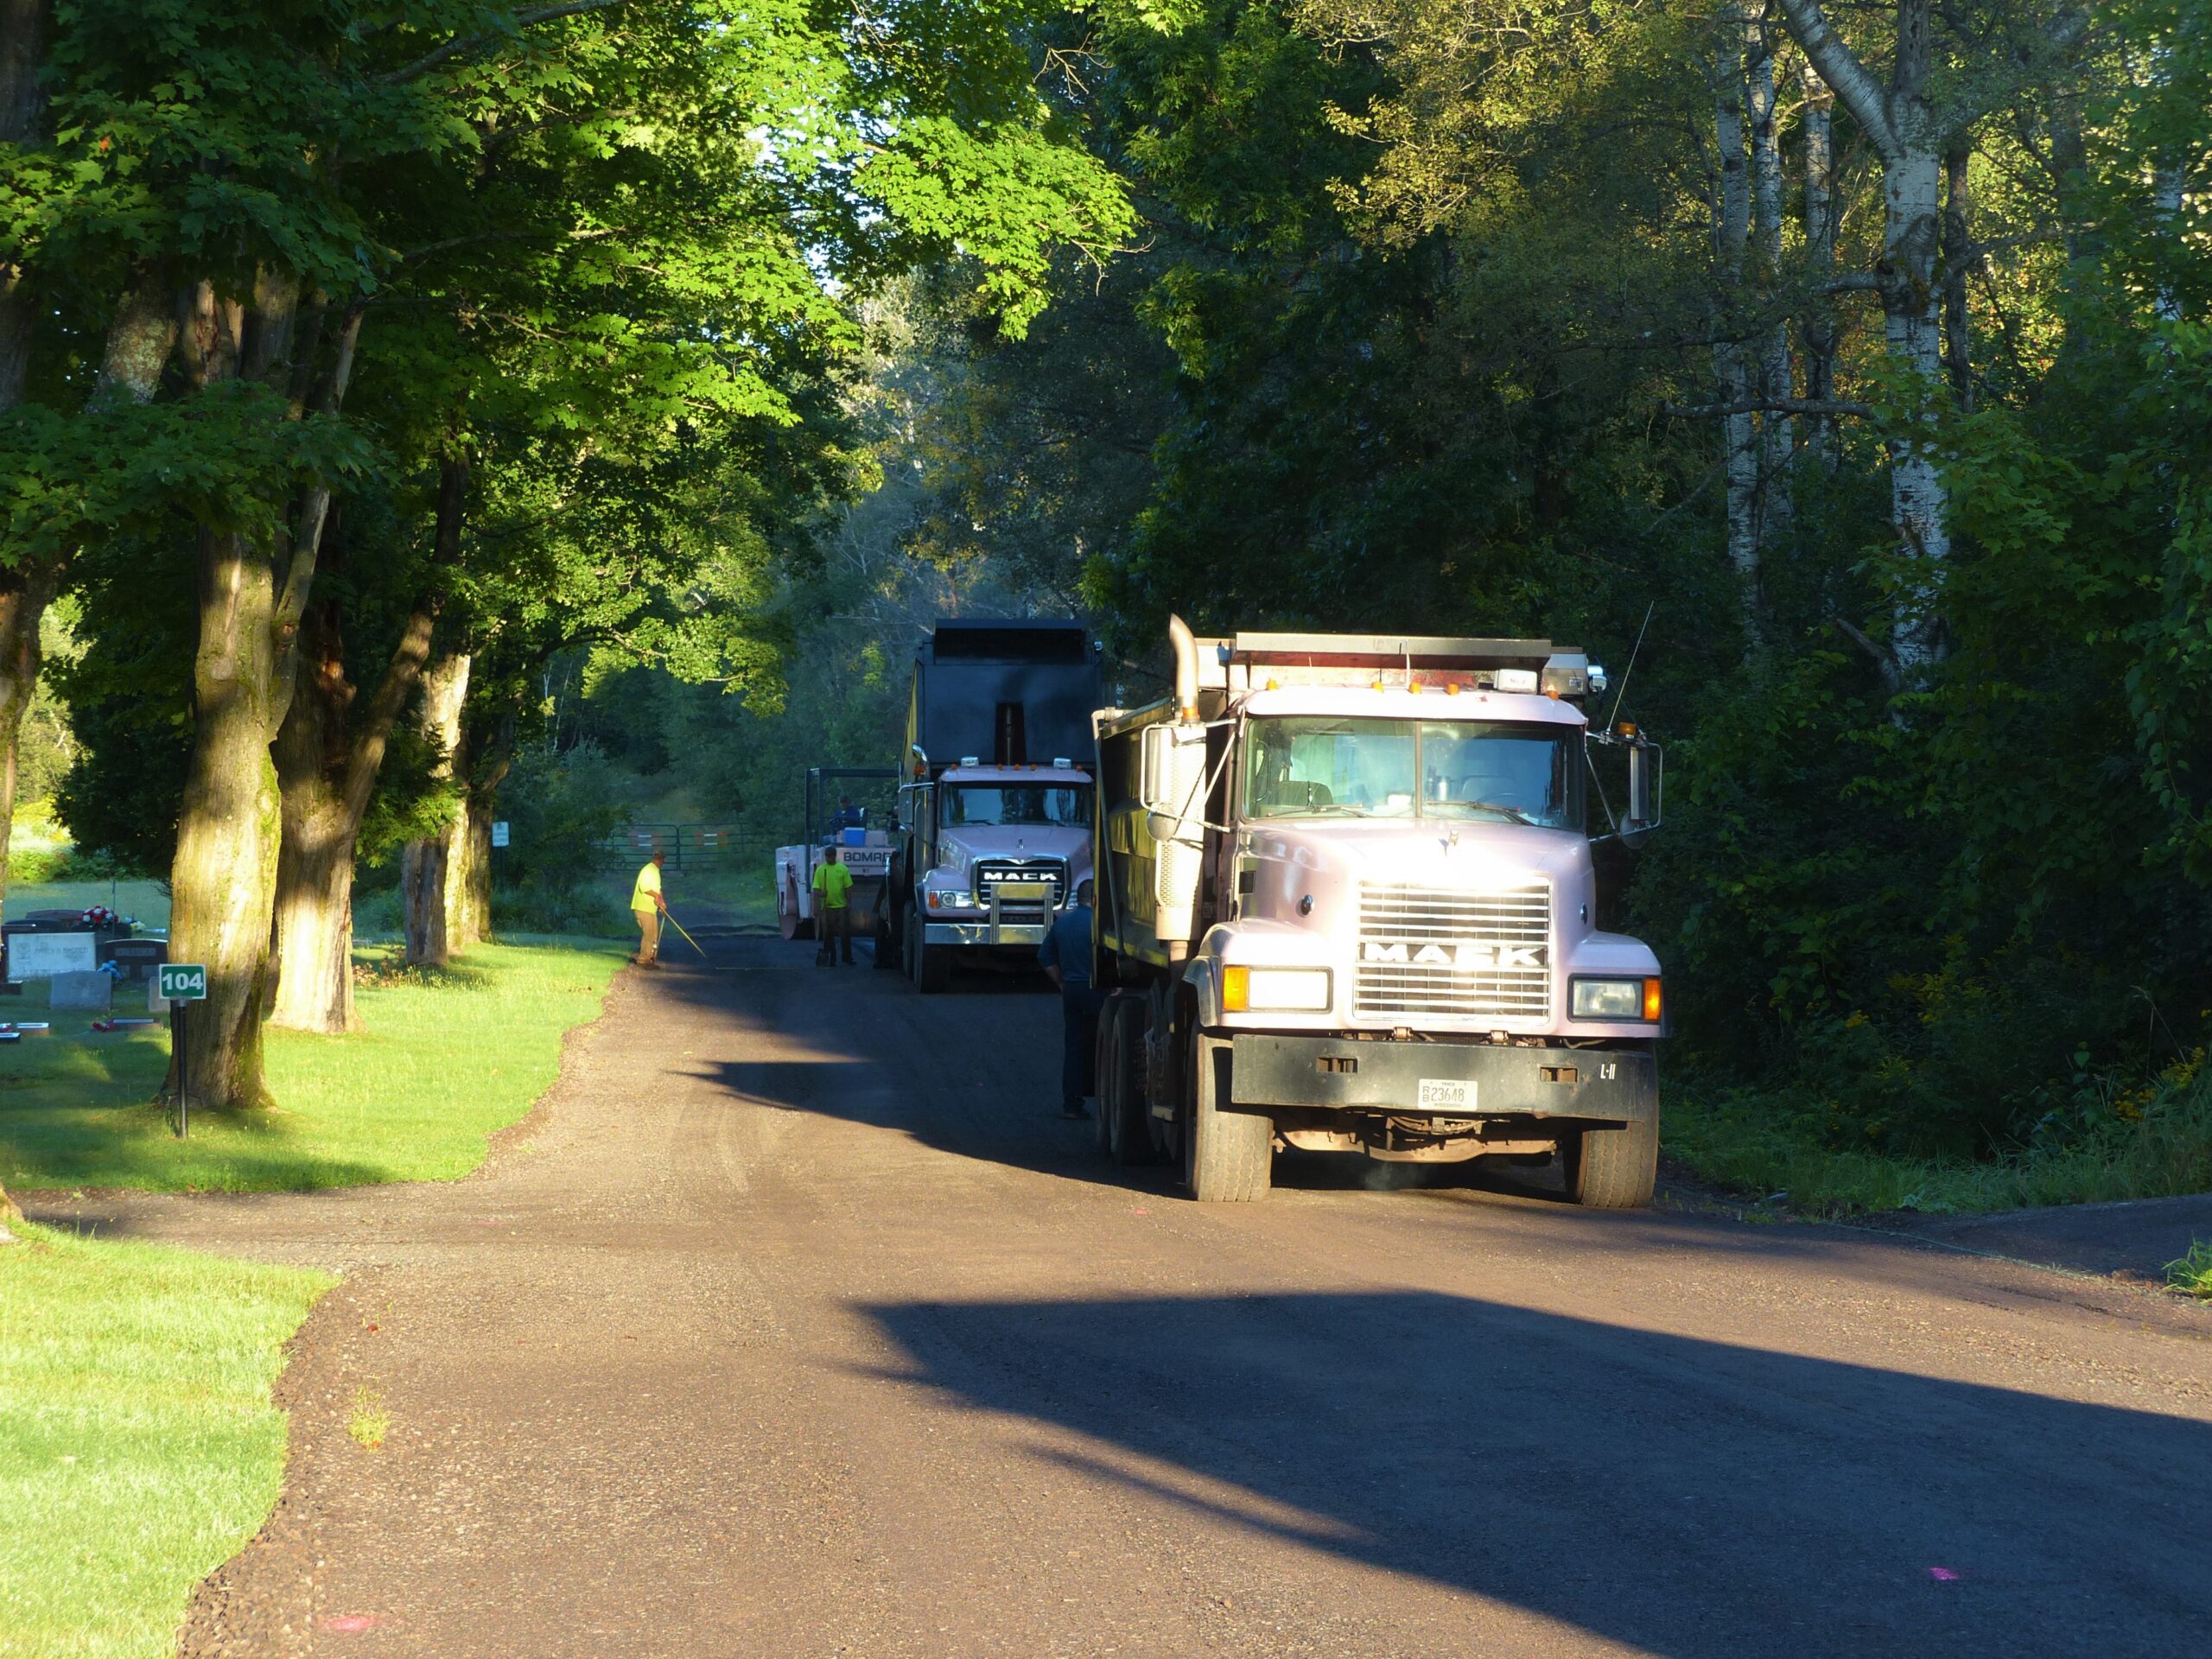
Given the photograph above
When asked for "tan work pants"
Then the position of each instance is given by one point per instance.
(648, 935)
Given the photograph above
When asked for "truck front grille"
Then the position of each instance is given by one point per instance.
(1454, 953)
(989, 873)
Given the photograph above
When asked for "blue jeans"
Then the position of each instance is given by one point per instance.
(1080, 1007)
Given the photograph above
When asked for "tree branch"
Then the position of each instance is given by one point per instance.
(412, 654)
(1849, 78)
(1885, 660)
(452, 49)
(1768, 406)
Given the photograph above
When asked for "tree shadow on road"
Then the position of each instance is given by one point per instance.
(1679, 1496)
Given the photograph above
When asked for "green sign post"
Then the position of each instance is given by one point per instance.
(181, 982)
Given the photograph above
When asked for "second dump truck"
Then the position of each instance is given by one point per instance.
(1345, 901)
(995, 804)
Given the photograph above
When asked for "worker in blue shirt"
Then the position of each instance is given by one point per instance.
(1066, 956)
(847, 817)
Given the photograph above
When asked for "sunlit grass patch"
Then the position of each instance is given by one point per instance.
(139, 1448)
(2192, 1273)
(369, 1422)
(443, 1062)
(1746, 1141)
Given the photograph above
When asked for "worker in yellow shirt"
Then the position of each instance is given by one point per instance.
(833, 891)
(648, 906)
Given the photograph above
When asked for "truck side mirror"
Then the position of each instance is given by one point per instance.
(1155, 764)
(1645, 764)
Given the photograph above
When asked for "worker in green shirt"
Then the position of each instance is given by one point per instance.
(648, 906)
(833, 889)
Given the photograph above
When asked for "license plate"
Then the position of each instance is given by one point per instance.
(1447, 1095)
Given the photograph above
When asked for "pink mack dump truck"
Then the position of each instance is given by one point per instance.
(1344, 904)
(994, 812)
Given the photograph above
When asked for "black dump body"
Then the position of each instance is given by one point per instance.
(1009, 692)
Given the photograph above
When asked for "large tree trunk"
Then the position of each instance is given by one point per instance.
(224, 881)
(431, 867)
(312, 943)
(312, 957)
(1900, 121)
(327, 761)
(483, 805)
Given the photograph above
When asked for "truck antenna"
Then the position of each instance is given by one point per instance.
(1631, 669)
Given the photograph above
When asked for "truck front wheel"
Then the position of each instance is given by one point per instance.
(932, 967)
(1612, 1169)
(1228, 1157)
(929, 968)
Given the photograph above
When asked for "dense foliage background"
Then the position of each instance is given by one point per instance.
(1429, 318)
(1495, 317)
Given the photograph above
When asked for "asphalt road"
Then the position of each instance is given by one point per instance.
(796, 1323)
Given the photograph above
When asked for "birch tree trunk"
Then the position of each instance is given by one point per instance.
(2166, 201)
(1732, 366)
(1958, 265)
(431, 867)
(1776, 382)
(1899, 121)
(1816, 328)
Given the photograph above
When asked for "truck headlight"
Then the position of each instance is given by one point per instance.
(947, 898)
(1615, 998)
(1283, 990)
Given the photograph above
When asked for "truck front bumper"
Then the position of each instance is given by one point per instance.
(1466, 1080)
(984, 933)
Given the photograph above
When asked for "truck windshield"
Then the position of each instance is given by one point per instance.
(1498, 771)
(982, 804)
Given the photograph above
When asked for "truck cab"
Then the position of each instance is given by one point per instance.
(995, 811)
(1346, 904)
(1000, 851)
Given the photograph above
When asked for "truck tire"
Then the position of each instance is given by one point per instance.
(1612, 1169)
(887, 952)
(1228, 1157)
(929, 969)
(1123, 1108)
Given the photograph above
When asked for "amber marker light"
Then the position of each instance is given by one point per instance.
(1651, 1008)
(1237, 989)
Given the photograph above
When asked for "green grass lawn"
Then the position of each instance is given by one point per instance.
(139, 1449)
(445, 1059)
